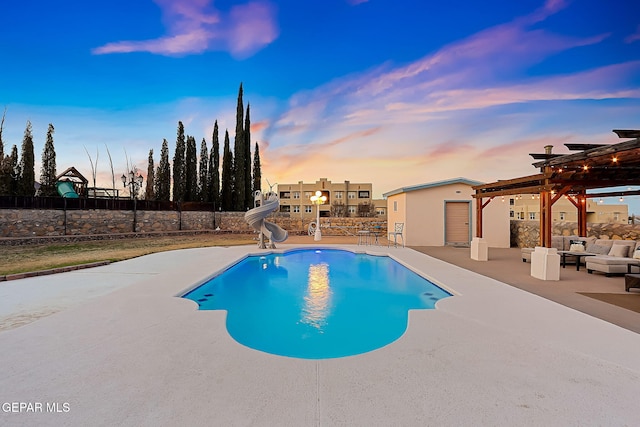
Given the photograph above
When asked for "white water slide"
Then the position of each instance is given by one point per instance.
(264, 205)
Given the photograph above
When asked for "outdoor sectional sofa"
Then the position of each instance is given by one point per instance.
(611, 256)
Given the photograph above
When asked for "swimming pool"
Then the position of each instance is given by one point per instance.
(317, 303)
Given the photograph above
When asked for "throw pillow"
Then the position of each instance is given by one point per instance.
(619, 250)
(576, 247)
(599, 249)
(636, 254)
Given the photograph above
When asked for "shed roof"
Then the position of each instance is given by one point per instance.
(459, 180)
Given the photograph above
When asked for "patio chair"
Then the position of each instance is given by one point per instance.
(397, 232)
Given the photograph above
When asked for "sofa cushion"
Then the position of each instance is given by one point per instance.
(604, 242)
(557, 242)
(636, 253)
(609, 260)
(631, 244)
(598, 249)
(619, 251)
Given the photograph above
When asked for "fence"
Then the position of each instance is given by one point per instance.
(22, 202)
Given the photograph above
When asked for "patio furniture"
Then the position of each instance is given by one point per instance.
(375, 233)
(363, 237)
(397, 232)
(577, 254)
(631, 281)
(618, 260)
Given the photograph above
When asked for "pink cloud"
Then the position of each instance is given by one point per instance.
(435, 117)
(194, 26)
(633, 37)
(259, 126)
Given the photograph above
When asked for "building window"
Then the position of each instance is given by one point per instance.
(563, 216)
(511, 214)
(616, 216)
(380, 212)
(285, 195)
(285, 208)
(395, 206)
(296, 209)
(307, 209)
(511, 202)
(296, 194)
(351, 194)
(351, 209)
(363, 194)
(532, 215)
(338, 194)
(308, 194)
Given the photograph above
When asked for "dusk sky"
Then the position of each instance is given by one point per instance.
(396, 93)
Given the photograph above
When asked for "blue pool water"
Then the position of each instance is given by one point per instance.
(317, 304)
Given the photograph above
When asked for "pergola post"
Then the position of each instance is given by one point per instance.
(479, 208)
(545, 219)
(582, 214)
(479, 247)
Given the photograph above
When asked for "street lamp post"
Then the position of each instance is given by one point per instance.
(318, 199)
(134, 182)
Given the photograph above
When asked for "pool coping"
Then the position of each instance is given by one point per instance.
(492, 354)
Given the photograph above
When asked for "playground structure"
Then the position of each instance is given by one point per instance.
(264, 204)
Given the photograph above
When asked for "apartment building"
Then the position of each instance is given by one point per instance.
(347, 199)
(526, 207)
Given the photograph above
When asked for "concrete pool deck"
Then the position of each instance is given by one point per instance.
(137, 355)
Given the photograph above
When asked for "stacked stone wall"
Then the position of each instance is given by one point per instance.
(47, 223)
(526, 234)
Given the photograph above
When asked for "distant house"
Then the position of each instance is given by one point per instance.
(343, 199)
(443, 213)
(527, 207)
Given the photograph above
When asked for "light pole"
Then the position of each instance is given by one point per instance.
(134, 183)
(318, 199)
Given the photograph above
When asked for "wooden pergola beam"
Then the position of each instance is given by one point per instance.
(596, 166)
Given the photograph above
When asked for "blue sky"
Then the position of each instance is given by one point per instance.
(391, 92)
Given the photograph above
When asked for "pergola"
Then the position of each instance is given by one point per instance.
(592, 166)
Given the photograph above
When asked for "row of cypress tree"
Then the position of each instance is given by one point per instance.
(17, 174)
(192, 181)
(201, 181)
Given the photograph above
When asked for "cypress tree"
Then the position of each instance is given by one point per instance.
(191, 171)
(9, 173)
(214, 168)
(14, 171)
(5, 174)
(149, 193)
(203, 172)
(257, 175)
(179, 182)
(48, 169)
(1, 141)
(163, 175)
(239, 192)
(248, 191)
(27, 173)
(227, 175)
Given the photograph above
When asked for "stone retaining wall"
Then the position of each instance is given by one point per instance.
(526, 234)
(43, 223)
